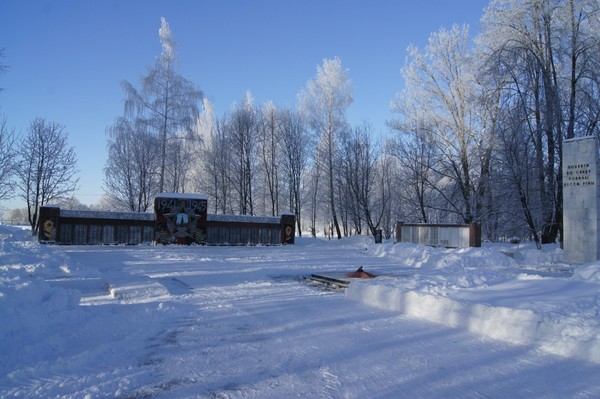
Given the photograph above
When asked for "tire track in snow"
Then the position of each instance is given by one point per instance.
(330, 383)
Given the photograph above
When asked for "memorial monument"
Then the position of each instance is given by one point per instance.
(581, 205)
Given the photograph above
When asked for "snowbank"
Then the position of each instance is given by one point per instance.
(526, 298)
(32, 311)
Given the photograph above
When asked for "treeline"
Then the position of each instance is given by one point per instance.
(475, 135)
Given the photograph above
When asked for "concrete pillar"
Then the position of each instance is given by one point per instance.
(580, 200)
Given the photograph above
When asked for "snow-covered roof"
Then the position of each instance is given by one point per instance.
(107, 215)
(244, 219)
(182, 195)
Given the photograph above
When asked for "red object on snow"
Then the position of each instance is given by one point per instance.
(360, 273)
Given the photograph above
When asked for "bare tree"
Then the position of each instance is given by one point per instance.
(217, 161)
(324, 102)
(416, 158)
(132, 168)
(296, 147)
(7, 160)
(516, 164)
(364, 177)
(350, 182)
(242, 130)
(388, 190)
(269, 137)
(167, 104)
(47, 167)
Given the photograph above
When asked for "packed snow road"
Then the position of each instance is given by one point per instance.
(233, 322)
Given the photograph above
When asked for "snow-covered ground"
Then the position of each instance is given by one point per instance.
(239, 322)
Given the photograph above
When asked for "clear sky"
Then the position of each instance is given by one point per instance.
(66, 58)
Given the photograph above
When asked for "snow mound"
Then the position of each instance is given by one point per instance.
(488, 293)
(439, 270)
(513, 325)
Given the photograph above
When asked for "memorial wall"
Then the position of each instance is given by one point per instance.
(178, 219)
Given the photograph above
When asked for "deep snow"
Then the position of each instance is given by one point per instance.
(230, 322)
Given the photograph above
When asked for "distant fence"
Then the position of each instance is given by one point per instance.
(178, 219)
(440, 235)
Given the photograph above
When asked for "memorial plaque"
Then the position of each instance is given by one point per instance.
(580, 200)
(180, 218)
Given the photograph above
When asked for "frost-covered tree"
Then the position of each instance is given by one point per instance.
(168, 105)
(440, 107)
(203, 131)
(324, 102)
(47, 167)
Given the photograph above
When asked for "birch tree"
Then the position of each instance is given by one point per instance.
(203, 131)
(168, 104)
(324, 101)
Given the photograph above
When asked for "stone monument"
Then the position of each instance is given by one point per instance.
(581, 205)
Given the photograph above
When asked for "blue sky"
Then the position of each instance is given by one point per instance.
(66, 59)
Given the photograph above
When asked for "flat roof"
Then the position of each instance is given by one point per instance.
(182, 195)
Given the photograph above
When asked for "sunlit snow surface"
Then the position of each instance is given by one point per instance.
(240, 322)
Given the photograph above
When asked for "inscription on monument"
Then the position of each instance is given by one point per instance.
(579, 175)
